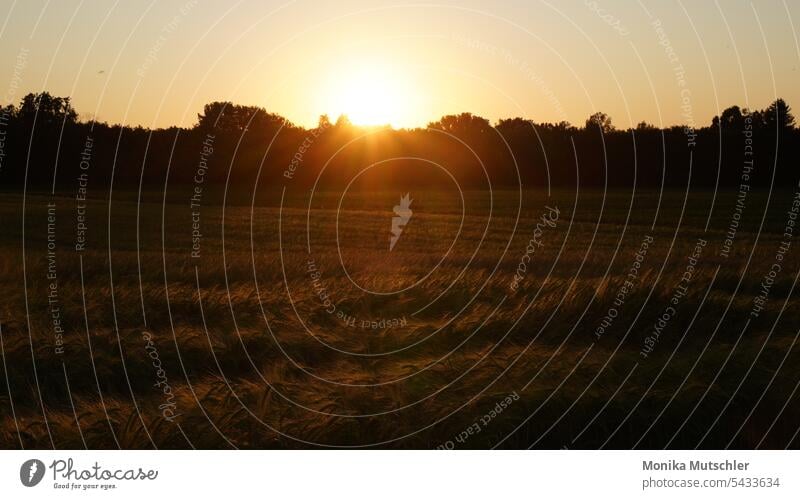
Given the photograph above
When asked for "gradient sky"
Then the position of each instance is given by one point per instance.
(155, 63)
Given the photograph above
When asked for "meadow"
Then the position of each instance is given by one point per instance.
(615, 321)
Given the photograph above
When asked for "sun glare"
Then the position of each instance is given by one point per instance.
(369, 95)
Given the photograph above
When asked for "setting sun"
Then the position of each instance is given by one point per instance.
(392, 225)
(369, 95)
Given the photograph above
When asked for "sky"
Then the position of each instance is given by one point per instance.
(156, 63)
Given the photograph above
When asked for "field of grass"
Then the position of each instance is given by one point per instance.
(295, 326)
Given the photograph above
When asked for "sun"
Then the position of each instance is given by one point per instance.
(369, 94)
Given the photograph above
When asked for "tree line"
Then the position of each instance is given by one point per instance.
(43, 143)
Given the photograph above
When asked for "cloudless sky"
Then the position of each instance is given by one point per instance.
(155, 63)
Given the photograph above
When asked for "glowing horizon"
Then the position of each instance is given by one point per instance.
(156, 65)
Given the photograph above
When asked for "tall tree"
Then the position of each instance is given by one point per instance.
(46, 109)
(778, 115)
(600, 120)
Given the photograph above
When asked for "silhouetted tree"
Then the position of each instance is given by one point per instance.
(601, 121)
(778, 115)
(225, 117)
(731, 118)
(46, 109)
(343, 121)
(644, 126)
(463, 124)
(324, 122)
(8, 112)
(512, 124)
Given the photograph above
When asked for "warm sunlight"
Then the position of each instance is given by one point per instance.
(369, 94)
(390, 225)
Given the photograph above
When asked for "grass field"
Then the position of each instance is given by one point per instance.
(300, 328)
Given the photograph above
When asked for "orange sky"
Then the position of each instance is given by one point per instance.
(157, 63)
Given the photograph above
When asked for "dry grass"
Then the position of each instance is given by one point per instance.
(245, 372)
